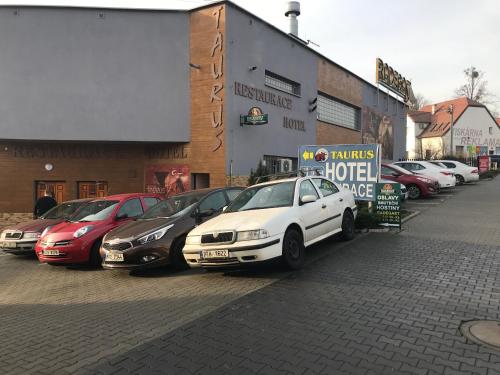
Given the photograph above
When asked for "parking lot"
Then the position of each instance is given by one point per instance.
(385, 303)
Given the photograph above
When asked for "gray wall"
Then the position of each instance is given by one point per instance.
(253, 43)
(388, 106)
(66, 74)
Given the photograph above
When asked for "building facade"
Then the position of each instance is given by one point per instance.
(102, 101)
(475, 130)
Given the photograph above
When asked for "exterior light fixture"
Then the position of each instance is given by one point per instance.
(252, 68)
(196, 66)
(49, 167)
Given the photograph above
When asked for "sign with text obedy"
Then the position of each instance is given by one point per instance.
(356, 167)
(388, 203)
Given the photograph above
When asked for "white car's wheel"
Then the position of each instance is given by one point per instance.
(293, 255)
(347, 226)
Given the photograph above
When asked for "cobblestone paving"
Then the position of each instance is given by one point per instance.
(383, 304)
(390, 303)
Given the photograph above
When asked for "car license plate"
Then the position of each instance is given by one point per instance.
(51, 252)
(210, 254)
(114, 257)
(8, 245)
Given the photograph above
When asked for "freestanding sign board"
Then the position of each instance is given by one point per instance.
(388, 203)
(355, 167)
(483, 163)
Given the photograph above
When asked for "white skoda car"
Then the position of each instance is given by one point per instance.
(272, 220)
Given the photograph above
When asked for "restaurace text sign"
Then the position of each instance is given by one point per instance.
(356, 167)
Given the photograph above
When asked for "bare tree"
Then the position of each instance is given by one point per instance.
(420, 101)
(475, 87)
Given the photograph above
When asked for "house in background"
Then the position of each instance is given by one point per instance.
(475, 130)
(416, 123)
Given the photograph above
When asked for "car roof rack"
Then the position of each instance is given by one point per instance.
(275, 176)
(305, 171)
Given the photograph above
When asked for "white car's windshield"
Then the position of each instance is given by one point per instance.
(264, 196)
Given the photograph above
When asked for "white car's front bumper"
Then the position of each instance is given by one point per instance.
(239, 253)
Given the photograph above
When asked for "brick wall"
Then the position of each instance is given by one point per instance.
(328, 134)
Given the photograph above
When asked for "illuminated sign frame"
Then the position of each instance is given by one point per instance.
(391, 79)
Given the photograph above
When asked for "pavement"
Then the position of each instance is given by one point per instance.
(385, 303)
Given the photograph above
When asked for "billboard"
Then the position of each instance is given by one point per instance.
(355, 167)
(167, 179)
(378, 128)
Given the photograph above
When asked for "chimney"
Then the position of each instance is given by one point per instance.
(292, 11)
(433, 109)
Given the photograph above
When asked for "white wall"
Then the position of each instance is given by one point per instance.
(473, 129)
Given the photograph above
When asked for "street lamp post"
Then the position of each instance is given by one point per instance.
(450, 111)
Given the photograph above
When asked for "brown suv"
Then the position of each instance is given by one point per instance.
(157, 237)
(20, 239)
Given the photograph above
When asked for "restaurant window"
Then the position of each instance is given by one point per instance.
(281, 83)
(337, 113)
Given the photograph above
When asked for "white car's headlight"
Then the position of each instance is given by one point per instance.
(83, 230)
(31, 235)
(156, 235)
(45, 231)
(250, 235)
(193, 240)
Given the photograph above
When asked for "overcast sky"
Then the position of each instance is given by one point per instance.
(429, 42)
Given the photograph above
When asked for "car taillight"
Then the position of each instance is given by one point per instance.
(447, 173)
(474, 171)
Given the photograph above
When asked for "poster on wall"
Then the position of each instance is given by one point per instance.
(167, 179)
(355, 167)
(378, 128)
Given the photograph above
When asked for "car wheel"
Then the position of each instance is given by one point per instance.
(414, 192)
(460, 179)
(293, 255)
(347, 226)
(176, 257)
(94, 257)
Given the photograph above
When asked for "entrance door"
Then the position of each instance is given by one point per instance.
(93, 189)
(56, 187)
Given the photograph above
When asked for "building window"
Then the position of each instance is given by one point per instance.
(337, 113)
(491, 130)
(281, 83)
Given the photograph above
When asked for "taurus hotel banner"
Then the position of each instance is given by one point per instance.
(355, 167)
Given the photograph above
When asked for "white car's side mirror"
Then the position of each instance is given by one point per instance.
(308, 199)
(224, 208)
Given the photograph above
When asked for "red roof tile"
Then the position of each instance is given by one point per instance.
(440, 120)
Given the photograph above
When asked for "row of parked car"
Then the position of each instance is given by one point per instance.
(426, 178)
(274, 220)
(212, 228)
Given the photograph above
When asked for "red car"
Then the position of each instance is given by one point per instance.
(418, 186)
(21, 239)
(78, 240)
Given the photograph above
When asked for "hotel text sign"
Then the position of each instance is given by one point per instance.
(391, 79)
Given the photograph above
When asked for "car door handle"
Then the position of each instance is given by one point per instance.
(323, 205)
(341, 200)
